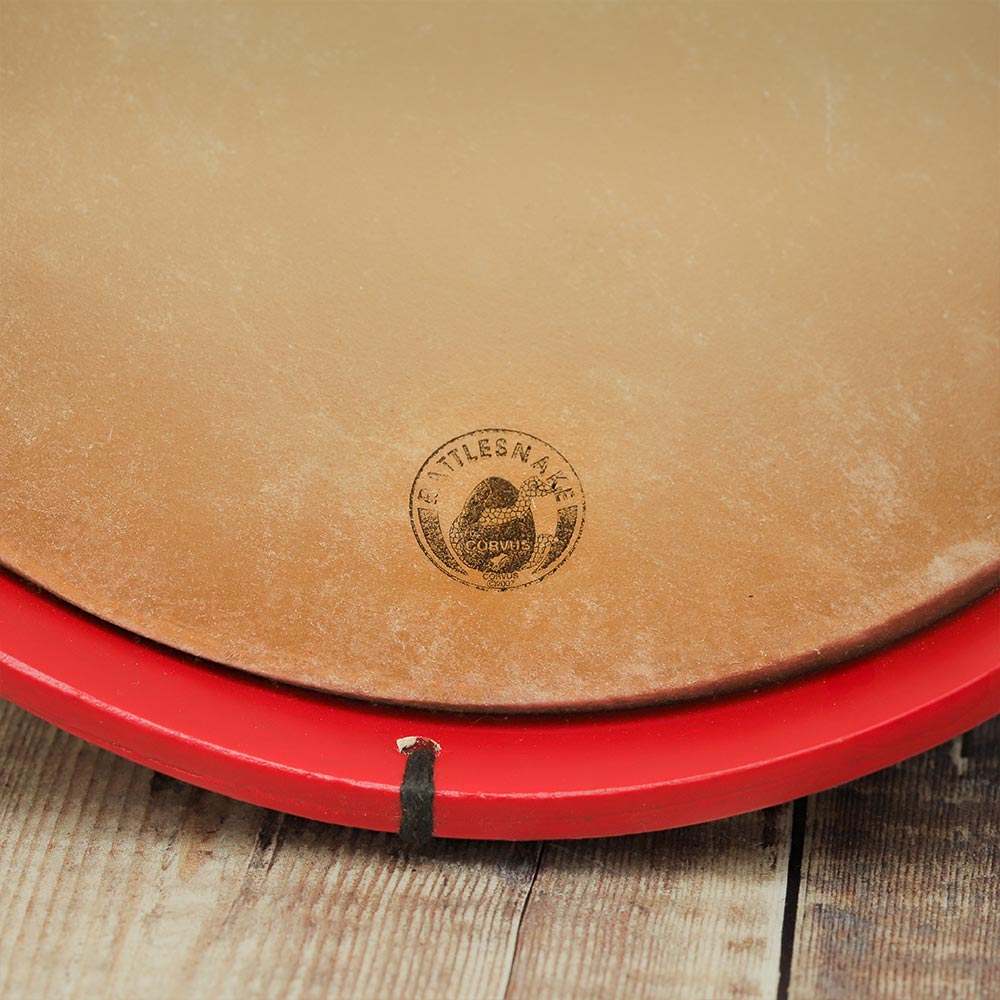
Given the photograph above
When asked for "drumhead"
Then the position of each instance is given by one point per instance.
(502, 357)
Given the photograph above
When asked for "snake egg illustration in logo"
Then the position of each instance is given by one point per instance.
(497, 509)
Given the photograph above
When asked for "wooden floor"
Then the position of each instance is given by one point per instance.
(120, 883)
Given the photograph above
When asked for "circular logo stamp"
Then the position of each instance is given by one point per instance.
(497, 509)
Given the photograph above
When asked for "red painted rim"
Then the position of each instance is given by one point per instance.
(505, 777)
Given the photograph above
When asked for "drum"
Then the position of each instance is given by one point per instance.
(499, 358)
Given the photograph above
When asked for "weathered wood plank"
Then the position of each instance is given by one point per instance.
(119, 883)
(900, 889)
(116, 882)
(687, 914)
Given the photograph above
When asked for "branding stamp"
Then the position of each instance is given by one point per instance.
(497, 509)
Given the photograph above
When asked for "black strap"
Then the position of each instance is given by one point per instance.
(416, 793)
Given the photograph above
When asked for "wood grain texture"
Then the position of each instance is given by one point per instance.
(117, 882)
(900, 890)
(693, 913)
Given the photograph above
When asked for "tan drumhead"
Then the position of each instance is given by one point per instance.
(502, 355)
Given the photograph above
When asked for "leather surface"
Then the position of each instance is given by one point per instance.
(737, 263)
